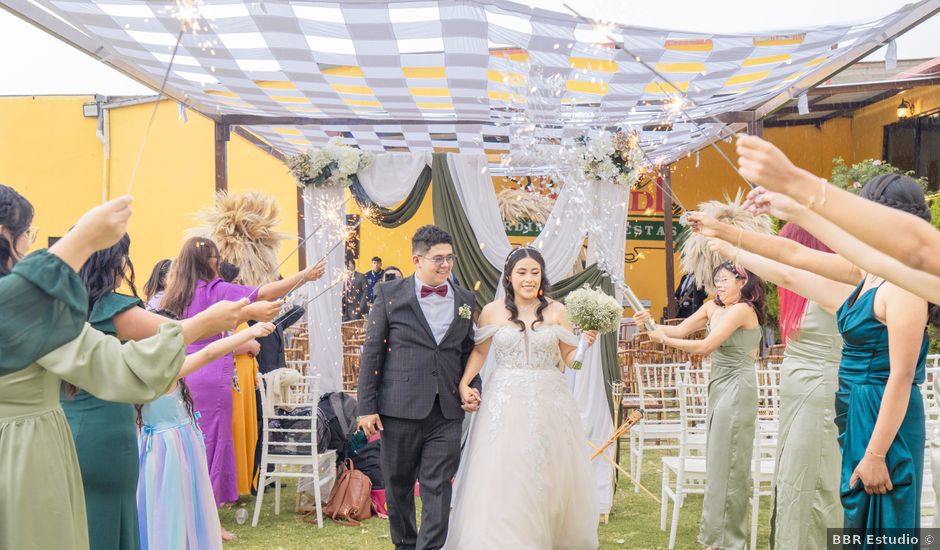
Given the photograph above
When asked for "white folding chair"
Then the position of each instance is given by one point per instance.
(657, 385)
(302, 459)
(766, 435)
(930, 492)
(688, 468)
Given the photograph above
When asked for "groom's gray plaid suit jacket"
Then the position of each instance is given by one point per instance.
(402, 367)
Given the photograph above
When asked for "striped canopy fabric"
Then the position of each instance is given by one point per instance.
(456, 75)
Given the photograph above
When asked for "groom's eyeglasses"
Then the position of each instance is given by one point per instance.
(441, 260)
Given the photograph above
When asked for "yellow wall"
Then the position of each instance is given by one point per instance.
(392, 245)
(49, 152)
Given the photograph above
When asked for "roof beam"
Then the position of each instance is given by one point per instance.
(264, 120)
(919, 14)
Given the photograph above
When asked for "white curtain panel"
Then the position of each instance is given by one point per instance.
(392, 176)
(474, 187)
(325, 213)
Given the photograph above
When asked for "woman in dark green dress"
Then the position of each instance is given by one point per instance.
(105, 432)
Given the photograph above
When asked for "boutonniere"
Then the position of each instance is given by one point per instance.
(464, 311)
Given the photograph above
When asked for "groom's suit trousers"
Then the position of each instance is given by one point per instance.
(429, 450)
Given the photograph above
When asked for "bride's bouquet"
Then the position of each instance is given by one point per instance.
(592, 309)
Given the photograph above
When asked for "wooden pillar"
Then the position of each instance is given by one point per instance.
(221, 156)
(756, 128)
(671, 307)
(301, 231)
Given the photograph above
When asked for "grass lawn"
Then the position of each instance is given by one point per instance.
(634, 523)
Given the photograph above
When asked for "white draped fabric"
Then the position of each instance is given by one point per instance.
(325, 213)
(581, 209)
(474, 186)
(392, 176)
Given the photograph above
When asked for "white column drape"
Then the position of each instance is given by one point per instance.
(325, 212)
(577, 210)
(392, 176)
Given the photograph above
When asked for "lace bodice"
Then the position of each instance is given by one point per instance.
(530, 349)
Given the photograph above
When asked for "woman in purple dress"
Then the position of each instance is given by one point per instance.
(192, 286)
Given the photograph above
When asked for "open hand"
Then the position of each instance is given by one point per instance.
(314, 272)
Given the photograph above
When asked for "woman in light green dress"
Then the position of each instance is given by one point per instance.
(806, 481)
(734, 320)
(41, 496)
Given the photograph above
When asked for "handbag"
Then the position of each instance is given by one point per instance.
(351, 498)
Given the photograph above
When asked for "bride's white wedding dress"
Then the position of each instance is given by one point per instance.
(525, 480)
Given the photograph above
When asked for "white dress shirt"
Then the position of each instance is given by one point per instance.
(438, 310)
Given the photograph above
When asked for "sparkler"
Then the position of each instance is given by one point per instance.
(679, 93)
(189, 15)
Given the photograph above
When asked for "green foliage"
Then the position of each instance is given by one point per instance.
(853, 178)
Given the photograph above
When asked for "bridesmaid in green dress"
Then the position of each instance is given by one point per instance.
(734, 320)
(806, 481)
(879, 409)
(41, 496)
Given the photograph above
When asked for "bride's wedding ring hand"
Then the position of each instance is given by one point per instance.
(469, 399)
(590, 336)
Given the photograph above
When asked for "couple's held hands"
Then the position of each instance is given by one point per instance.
(469, 398)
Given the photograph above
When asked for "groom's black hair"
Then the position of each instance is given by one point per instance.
(427, 236)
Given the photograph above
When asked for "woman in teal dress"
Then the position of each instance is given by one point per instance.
(734, 320)
(41, 496)
(879, 409)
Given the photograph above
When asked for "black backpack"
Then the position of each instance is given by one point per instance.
(339, 415)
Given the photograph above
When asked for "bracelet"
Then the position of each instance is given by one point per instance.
(871, 452)
(740, 236)
(823, 185)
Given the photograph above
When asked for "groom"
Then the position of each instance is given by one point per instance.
(417, 343)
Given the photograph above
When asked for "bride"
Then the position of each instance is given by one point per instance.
(525, 480)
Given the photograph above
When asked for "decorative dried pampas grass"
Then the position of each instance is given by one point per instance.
(516, 205)
(243, 227)
(694, 255)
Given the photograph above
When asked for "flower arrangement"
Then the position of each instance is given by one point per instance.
(614, 157)
(592, 309)
(853, 178)
(330, 166)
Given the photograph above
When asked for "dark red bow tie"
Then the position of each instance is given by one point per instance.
(440, 291)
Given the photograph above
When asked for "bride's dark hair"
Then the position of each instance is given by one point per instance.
(510, 295)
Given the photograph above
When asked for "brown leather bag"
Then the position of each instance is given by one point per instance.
(351, 498)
